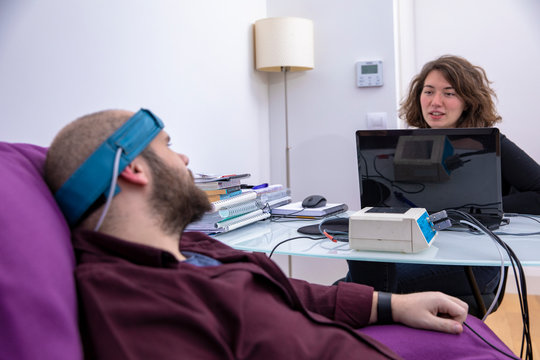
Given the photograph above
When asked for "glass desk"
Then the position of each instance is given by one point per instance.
(448, 247)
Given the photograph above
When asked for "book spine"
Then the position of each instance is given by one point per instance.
(215, 185)
(230, 194)
(213, 198)
(222, 191)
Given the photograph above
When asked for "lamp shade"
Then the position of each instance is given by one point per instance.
(284, 42)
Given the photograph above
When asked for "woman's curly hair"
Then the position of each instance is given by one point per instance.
(471, 85)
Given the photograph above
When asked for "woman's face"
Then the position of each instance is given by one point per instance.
(441, 106)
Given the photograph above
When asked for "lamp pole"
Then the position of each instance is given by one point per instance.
(286, 69)
(284, 44)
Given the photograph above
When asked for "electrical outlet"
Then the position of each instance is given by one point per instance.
(377, 121)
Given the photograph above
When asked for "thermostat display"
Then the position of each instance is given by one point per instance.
(369, 73)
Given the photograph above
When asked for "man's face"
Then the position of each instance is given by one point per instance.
(175, 198)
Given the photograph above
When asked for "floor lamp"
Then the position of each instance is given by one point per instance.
(284, 44)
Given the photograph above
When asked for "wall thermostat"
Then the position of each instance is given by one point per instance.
(369, 73)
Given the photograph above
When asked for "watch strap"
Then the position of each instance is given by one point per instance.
(384, 308)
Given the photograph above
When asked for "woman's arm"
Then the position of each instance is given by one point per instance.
(520, 179)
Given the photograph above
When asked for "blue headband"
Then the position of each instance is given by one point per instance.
(92, 179)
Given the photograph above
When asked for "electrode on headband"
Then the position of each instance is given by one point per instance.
(92, 179)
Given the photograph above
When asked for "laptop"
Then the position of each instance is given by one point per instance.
(435, 169)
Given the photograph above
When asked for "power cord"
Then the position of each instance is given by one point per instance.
(526, 343)
(333, 234)
(490, 344)
(502, 276)
(112, 188)
(522, 215)
(293, 238)
(519, 234)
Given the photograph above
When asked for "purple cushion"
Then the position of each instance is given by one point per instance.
(411, 343)
(37, 291)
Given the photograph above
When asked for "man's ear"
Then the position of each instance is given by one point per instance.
(135, 173)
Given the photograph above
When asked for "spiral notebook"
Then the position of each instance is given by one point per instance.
(232, 211)
(232, 201)
(229, 224)
(242, 220)
(230, 214)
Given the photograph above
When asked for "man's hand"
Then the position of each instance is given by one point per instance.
(430, 310)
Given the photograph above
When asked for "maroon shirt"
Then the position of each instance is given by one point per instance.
(139, 302)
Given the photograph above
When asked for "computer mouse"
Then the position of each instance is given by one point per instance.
(314, 201)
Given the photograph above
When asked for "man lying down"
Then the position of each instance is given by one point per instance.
(147, 290)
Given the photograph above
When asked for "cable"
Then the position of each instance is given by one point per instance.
(393, 183)
(519, 234)
(522, 292)
(501, 279)
(293, 238)
(111, 189)
(521, 285)
(488, 343)
(277, 218)
(329, 234)
(521, 215)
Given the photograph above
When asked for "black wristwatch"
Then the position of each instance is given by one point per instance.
(384, 308)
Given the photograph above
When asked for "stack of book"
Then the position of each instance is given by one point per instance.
(220, 187)
(234, 207)
(272, 196)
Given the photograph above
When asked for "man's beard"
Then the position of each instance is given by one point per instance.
(175, 199)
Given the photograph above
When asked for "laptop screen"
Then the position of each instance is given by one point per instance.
(435, 169)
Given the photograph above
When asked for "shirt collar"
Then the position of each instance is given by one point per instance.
(102, 245)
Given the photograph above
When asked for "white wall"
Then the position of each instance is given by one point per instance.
(326, 108)
(324, 105)
(501, 36)
(190, 62)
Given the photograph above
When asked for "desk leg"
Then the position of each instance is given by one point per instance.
(290, 266)
(476, 292)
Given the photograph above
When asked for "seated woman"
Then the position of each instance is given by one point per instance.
(450, 92)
